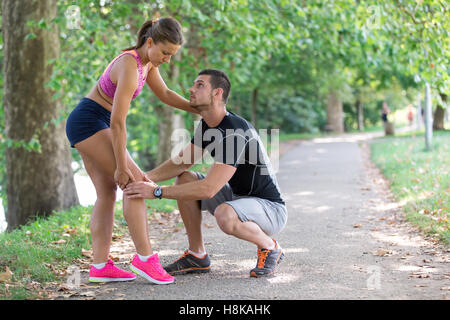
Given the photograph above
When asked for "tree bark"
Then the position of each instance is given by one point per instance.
(169, 119)
(360, 112)
(254, 115)
(335, 121)
(439, 113)
(37, 182)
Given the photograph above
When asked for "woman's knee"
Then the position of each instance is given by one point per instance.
(107, 192)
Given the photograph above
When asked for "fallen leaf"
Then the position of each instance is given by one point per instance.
(87, 294)
(72, 231)
(445, 288)
(357, 225)
(86, 253)
(61, 241)
(6, 276)
(382, 252)
(33, 285)
(114, 258)
(419, 275)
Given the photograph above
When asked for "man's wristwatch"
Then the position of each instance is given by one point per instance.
(158, 192)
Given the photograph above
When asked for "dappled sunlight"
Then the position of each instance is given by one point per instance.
(295, 250)
(283, 278)
(303, 193)
(400, 240)
(425, 195)
(322, 209)
(351, 233)
(418, 271)
(292, 163)
(382, 207)
(408, 268)
(321, 150)
(168, 252)
(246, 264)
(355, 137)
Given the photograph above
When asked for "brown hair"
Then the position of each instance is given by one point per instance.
(164, 29)
(218, 79)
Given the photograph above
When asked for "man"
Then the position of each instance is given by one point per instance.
(240, 189)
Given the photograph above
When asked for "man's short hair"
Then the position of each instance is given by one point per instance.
(218, 80)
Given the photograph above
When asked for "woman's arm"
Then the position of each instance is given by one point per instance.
(126, 86)
(159, 87)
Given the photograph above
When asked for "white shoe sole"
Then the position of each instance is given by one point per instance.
(102, 279)
(146, 276)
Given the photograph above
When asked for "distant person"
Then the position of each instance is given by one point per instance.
(410, 115)
(97, 129)
(384, 112)
(240, 189)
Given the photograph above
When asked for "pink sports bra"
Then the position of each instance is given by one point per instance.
(109, 88)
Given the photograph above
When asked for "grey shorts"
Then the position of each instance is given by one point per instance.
(270, 216)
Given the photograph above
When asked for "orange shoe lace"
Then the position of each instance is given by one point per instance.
(262, 256)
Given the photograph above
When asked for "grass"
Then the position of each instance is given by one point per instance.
(419, 179)
(39, 253)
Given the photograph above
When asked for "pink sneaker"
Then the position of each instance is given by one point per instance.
(151, 270)
(109, 273)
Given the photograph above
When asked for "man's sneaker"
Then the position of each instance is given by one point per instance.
(151, 270)
(109, 273)
(267, 261)
(189, 263)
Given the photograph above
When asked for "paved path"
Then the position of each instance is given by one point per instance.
(345, 239)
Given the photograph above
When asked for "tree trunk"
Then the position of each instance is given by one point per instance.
(428, 118)
(254, 115)
(37, 182)
(169, 119)
(335, 121)
(439, 113)
(359, 110)
(165, 129)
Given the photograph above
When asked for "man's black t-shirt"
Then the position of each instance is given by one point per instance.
(235, 142)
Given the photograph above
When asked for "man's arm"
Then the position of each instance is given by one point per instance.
(218, 175)
(177, 165)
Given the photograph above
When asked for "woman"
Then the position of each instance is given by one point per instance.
(97, 129)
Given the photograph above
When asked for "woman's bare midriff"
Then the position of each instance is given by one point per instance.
(100, 97)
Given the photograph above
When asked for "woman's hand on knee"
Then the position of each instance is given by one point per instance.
(122, 177)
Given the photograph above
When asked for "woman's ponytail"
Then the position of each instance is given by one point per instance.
(165, 29)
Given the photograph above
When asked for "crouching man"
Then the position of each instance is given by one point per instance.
(240, 189)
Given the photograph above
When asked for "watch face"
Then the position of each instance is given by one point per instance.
(157, 192)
